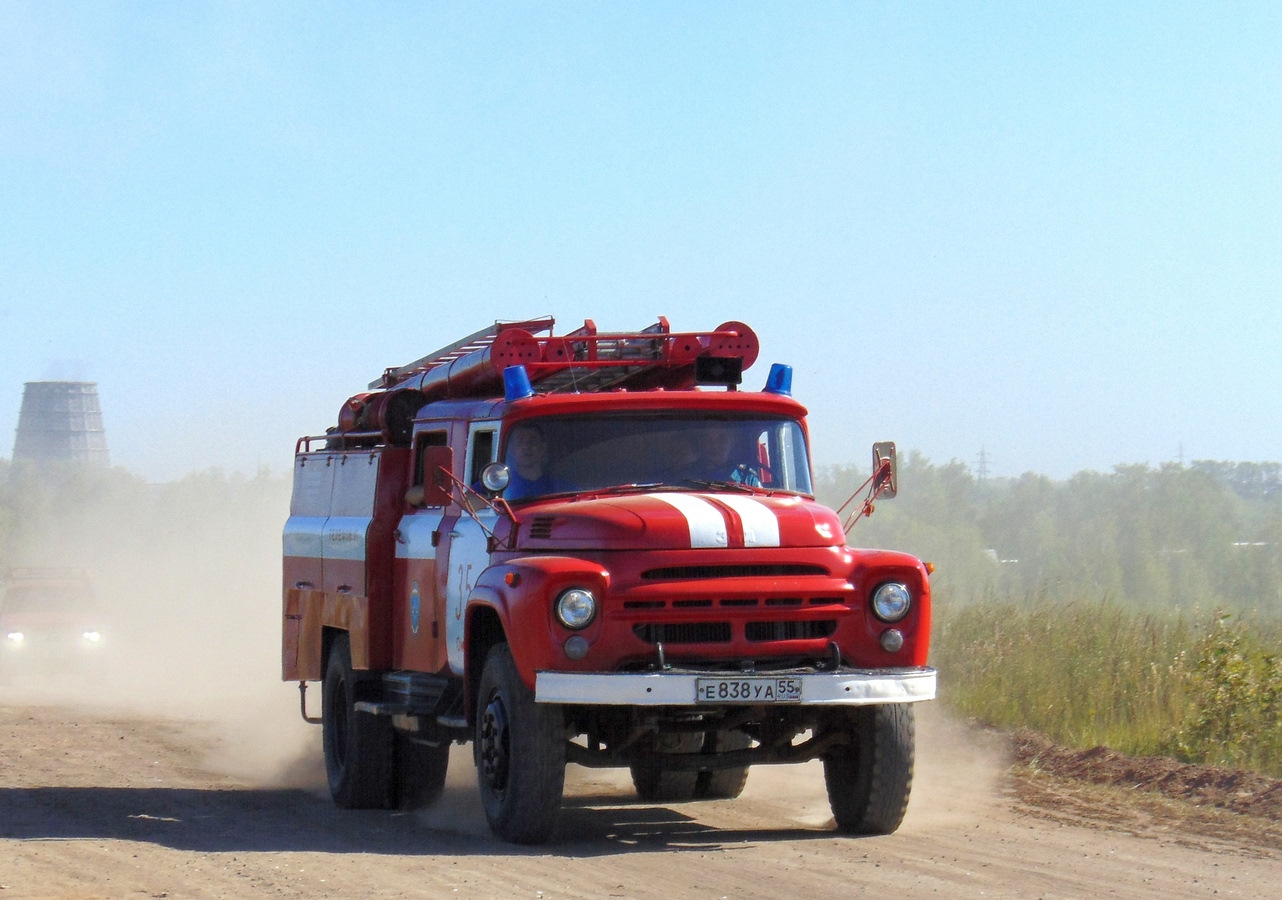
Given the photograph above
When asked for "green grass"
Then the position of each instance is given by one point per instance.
(1090, 673)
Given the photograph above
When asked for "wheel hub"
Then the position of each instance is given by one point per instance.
(495, 750)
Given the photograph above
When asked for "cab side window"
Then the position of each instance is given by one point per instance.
(421, 443)
(481, 453)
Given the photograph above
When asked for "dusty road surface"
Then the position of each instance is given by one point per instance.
(151, 804)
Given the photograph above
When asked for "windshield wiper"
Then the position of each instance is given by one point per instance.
(736, 485)
(629, 488)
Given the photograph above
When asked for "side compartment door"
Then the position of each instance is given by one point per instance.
(351, 513)
(303, 555)
(308, 512)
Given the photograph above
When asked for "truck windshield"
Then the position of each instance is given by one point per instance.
(560, 454)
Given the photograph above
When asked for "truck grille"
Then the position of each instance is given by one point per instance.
(684, 633)
(789, 631)
(748, 602)
(720, 632)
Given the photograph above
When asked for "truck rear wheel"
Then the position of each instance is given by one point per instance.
(869, 778)
(654, 783)
(358, 745)
(724, 784)
(420, 771)
(520, 754)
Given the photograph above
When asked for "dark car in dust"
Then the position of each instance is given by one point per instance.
(50, 623)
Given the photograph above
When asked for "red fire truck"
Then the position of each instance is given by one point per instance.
(594, 548)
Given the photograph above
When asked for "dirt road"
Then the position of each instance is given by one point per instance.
(146, 804)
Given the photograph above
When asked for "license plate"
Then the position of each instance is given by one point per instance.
(747, 689)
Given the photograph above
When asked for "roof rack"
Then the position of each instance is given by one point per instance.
(582, 361)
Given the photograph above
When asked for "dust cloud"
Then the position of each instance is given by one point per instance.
(958, 777)
(187, 580)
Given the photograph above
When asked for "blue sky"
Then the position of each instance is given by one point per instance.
(1051, 231)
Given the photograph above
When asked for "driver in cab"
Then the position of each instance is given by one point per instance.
(527, 459)
(716, 454)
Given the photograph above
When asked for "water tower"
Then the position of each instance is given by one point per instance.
(61, 421)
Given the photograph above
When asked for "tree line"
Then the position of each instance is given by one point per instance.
(1192, 538)
(1195, 537)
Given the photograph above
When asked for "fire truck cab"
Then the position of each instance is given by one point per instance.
(594, 548)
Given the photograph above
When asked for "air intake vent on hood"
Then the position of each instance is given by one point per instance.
(541, 526)
(672, 573)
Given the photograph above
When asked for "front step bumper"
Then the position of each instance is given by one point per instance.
(684, 687)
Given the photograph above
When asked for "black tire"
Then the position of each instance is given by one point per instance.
(420, 772)
(869, 779)
(520, 754)
(653, 783)
(358, 745)
(723, 784)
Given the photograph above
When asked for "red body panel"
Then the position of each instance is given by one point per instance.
(422, 650)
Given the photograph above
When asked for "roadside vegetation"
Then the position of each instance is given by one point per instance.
(1139, 609)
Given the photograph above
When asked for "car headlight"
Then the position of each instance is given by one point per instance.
(92, 637)
(576, 608)
(891, 601)
(15, 636)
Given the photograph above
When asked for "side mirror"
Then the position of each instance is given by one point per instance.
(885, 470)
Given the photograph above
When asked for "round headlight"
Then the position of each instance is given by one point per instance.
(576, 608)
(891, 601)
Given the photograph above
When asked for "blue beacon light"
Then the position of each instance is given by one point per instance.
(516, 383)
(780, 380)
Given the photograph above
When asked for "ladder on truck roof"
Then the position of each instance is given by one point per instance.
(479, 340)
(598, 362)
(580, 361)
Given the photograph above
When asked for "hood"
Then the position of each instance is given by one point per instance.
(668, 520)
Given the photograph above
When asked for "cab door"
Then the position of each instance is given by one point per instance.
(419, 629)
(464, 544)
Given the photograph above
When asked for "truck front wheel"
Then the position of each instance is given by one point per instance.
(358, 745)
(520, 754)
(869, 778)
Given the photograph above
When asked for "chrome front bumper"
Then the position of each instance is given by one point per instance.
(679, 687)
